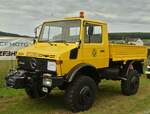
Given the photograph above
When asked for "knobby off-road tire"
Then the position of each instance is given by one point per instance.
(131, 85)
(35, 91)
(80, 95)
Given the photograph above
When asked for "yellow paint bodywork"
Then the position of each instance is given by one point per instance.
(56, 52)
(104, 51)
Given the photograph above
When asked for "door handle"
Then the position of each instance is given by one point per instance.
(102, 50)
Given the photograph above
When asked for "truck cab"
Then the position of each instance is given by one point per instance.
(70, 42)
(74, 55)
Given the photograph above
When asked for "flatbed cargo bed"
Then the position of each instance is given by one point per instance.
(123, 52)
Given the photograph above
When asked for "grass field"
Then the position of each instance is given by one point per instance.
(109, 99)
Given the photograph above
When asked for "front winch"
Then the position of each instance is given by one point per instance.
(16, 79)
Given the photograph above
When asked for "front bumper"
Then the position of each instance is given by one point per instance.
(16, 79)
(19, 79)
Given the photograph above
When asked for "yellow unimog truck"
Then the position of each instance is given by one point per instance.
(74, 54)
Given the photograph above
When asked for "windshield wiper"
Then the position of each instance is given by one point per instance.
(59, 41)
(50, 43)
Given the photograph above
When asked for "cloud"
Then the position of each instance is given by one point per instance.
(22, 16)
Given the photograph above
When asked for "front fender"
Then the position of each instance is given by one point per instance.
(80, 67)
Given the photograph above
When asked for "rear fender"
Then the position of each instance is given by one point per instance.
(137, 65)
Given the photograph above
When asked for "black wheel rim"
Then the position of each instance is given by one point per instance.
(134, 83)
(85, 96)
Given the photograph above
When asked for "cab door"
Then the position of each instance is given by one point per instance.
(94, 48)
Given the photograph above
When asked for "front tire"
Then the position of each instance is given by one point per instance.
(131, 85)
(80, 95)
(35, 92)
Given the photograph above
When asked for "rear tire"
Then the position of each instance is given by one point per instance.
(131, 85)
(80, 95)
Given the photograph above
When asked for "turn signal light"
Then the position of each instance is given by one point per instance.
(59, 62)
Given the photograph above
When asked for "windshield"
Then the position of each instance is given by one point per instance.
(61, 31)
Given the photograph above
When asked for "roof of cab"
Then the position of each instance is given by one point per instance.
(77, 18)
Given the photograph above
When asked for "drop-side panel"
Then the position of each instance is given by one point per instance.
(123, 52)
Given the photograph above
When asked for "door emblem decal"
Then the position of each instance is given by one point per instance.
(94, 52)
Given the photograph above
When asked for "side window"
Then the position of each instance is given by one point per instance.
(96, 36)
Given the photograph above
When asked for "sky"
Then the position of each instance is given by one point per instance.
(22, 16)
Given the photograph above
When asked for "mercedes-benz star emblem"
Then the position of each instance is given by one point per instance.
(33, 63)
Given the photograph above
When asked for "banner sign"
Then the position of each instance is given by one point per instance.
(10, 45)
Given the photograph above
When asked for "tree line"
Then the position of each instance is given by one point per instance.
(122, 35)
(113, 36)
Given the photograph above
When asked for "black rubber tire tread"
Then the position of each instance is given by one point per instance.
(35, 91)
(72, 93)
(126, 85)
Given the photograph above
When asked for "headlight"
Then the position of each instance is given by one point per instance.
(51, 66)
(47, 81)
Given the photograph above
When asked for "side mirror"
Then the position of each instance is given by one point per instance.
(36, 36)
(37, 31)
(90, 30)
(34, 40)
